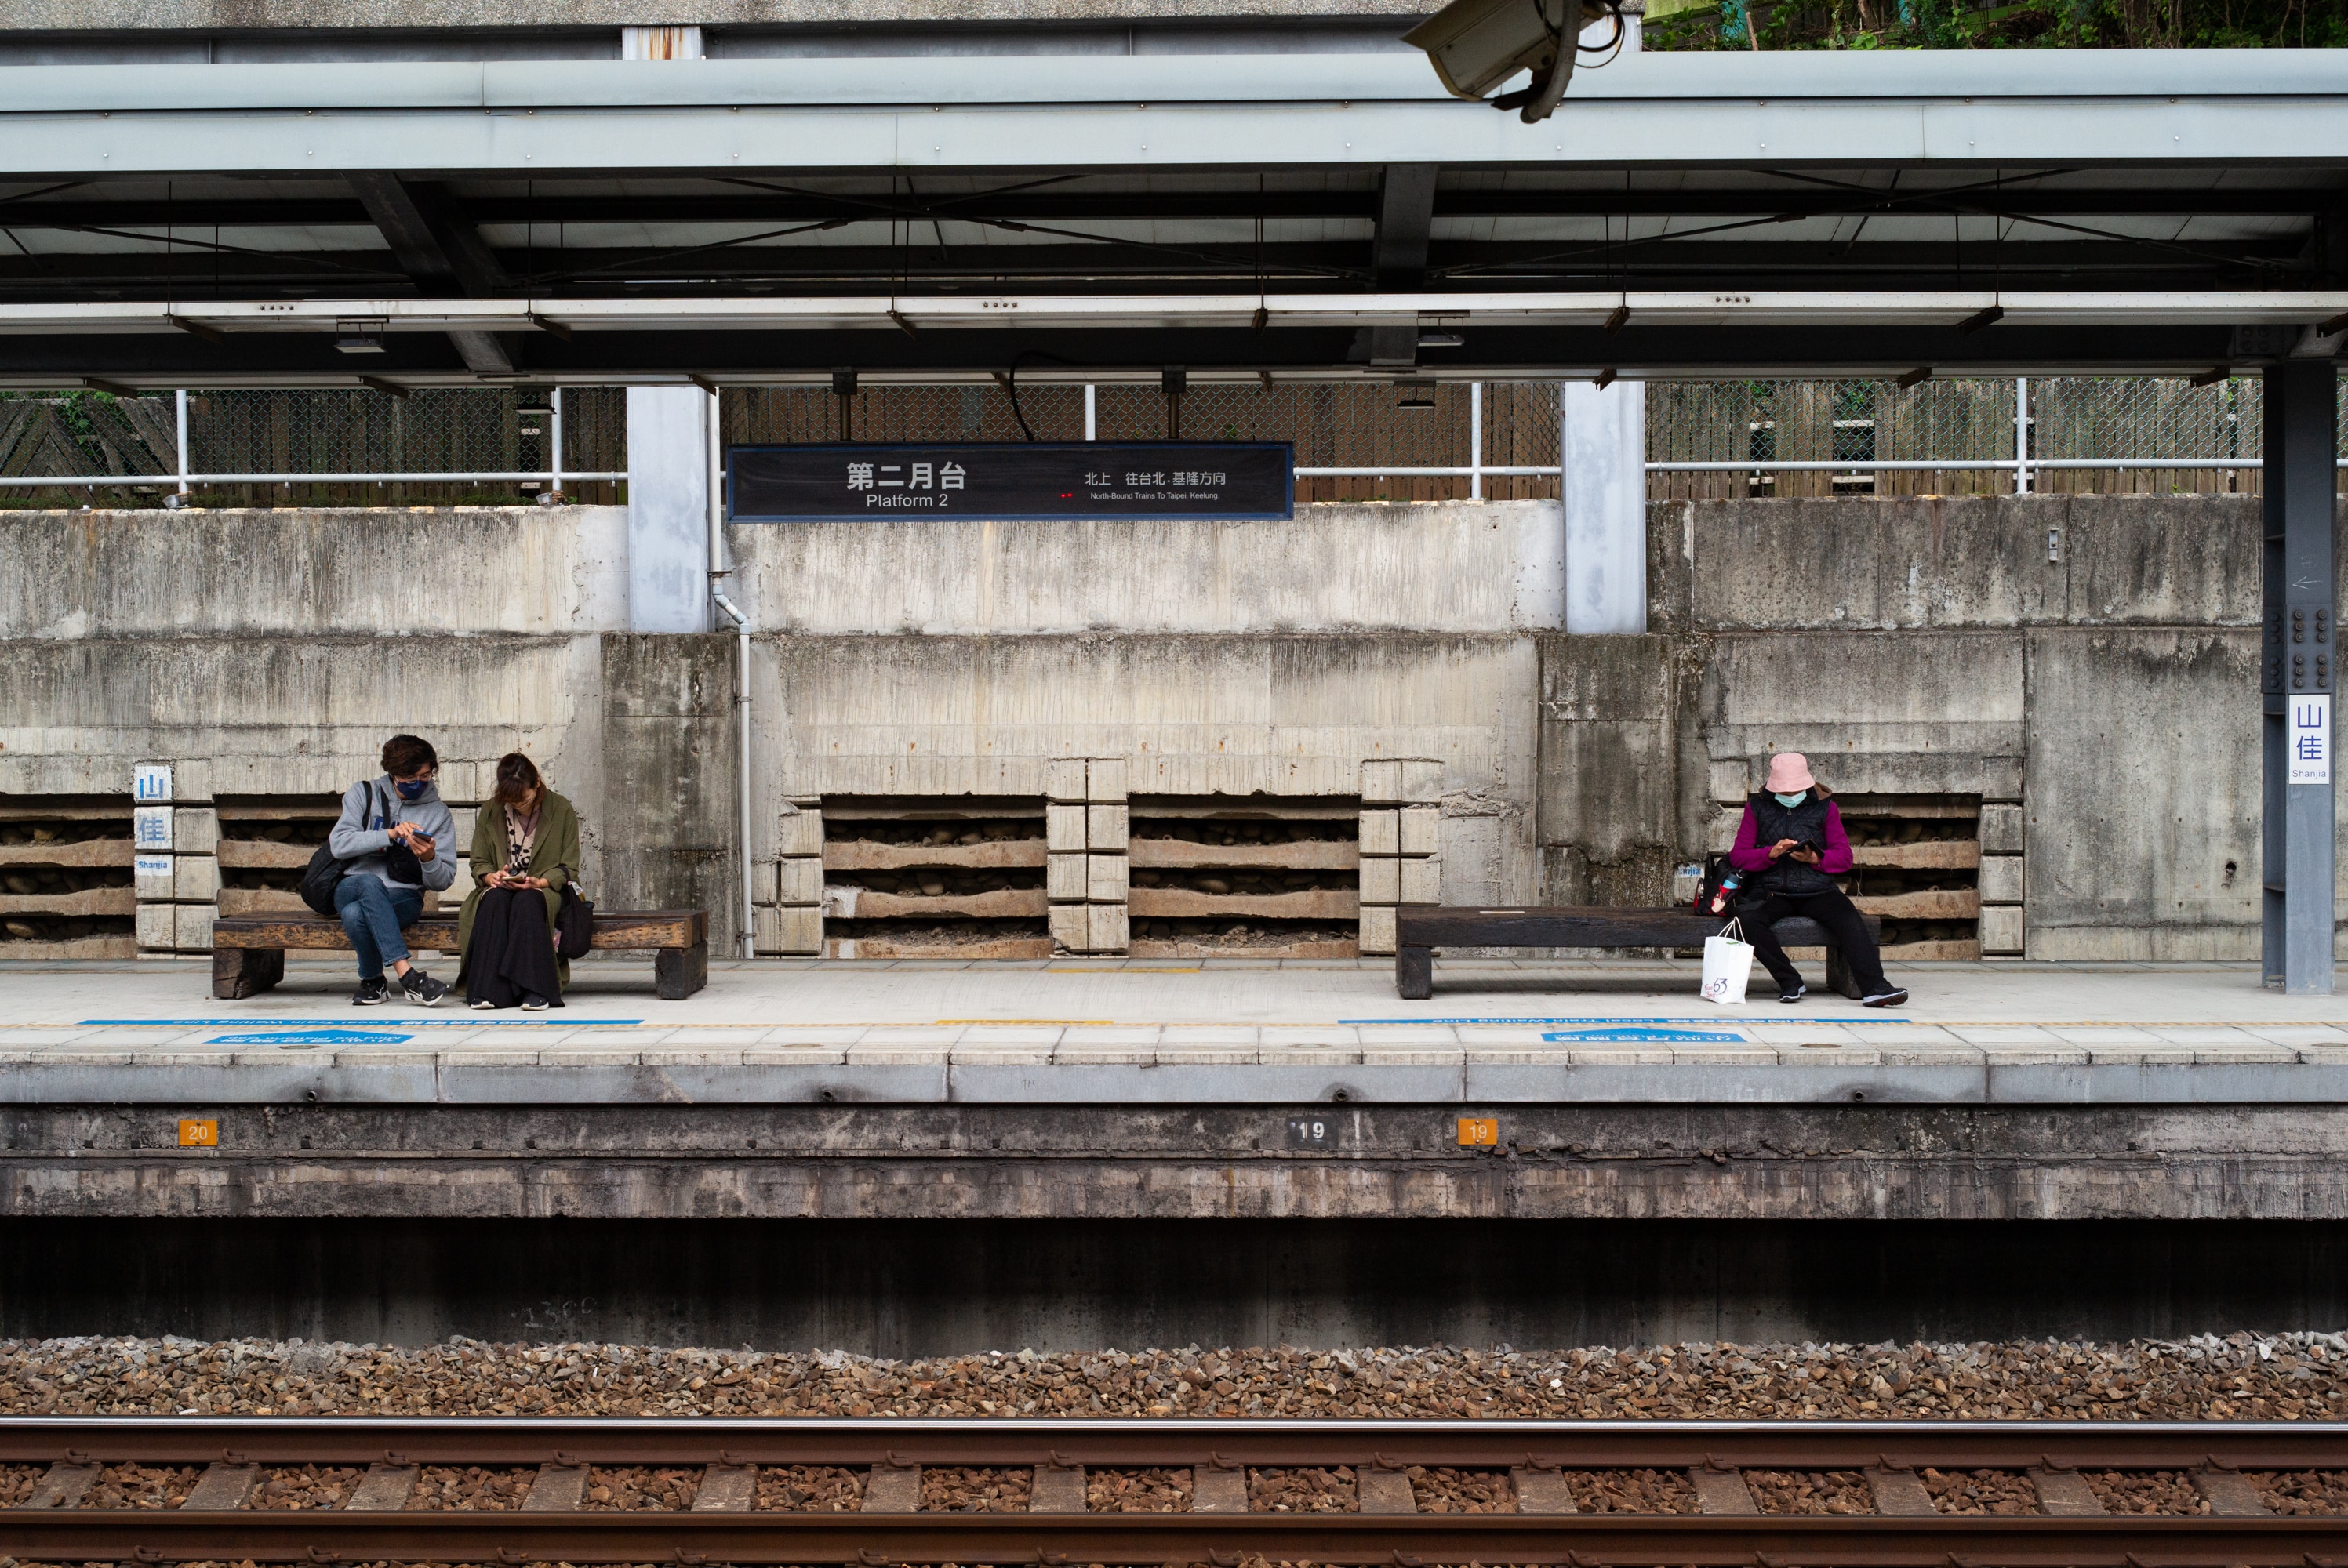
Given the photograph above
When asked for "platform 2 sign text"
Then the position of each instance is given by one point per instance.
(1012, 481)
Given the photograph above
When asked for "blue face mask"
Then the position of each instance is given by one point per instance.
(1787, 801)
(411, 789)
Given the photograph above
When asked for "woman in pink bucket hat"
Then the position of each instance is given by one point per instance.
(1790, 845)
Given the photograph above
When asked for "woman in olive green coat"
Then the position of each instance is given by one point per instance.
(525, 850)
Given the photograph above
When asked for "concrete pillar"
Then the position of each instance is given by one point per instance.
(2300, 648)
(668, 508)
(1602, 451)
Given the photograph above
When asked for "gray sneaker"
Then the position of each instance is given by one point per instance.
(422, 989)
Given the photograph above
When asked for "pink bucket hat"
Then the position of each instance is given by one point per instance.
(1789, 772)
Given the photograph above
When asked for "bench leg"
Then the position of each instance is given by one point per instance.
(242, 972)
(678, 972)
(1414, 973)
(1838, 974)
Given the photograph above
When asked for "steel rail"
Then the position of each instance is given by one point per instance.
(2220, 1540)
(1177, 1441)
(1046, 1539)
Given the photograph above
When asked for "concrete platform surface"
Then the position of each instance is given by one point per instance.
(1112, 1031)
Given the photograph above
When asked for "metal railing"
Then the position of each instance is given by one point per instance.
(1355, 439)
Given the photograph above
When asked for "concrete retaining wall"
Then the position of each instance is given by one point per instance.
(1909, 646)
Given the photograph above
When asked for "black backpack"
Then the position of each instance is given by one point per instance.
(325, 872)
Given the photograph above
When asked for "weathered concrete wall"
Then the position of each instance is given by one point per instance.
(1443, 567)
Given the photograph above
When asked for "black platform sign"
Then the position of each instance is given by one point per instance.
(1011, 481)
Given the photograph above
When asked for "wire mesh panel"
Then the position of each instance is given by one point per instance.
(2075, 418)
(1840, 429)
(83, 434)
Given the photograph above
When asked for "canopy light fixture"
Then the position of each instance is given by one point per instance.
(1442, 340)
(359, 342)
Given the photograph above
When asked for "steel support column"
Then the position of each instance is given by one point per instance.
(2299, 670)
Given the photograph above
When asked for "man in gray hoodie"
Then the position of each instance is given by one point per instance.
(394, 839)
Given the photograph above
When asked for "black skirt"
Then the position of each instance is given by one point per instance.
(511, 954)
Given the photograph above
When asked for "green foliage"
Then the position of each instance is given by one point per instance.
(2028, 24)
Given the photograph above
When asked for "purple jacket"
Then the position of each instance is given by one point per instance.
(1748, 854)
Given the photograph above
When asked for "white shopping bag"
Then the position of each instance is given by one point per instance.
(1727, 965)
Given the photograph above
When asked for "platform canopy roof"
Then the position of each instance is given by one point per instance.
(1308, 204)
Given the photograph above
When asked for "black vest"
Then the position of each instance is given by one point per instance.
(1805, 822)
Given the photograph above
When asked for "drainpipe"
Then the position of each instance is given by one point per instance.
(720, 567)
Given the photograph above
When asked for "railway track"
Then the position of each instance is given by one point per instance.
(1557, 1492)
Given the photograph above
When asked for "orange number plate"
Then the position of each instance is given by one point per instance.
(206, 1134)
(1483, 1130)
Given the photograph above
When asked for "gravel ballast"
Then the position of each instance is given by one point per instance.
(2242, 1377)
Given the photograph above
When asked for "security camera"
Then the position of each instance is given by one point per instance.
(1477, 45)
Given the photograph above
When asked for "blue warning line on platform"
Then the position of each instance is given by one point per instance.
(462, 1022)
(1638, 1034)
(1624, 1022)
(310, 1037)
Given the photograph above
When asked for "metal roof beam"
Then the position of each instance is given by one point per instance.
(441, 250)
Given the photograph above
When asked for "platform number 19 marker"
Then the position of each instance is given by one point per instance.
(1311, 1133)
(1479, 1131)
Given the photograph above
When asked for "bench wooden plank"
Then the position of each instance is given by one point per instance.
(628, 930)
(1420, 928)
(249, 950)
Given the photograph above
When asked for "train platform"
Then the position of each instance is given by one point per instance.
(1092, 1089)
(1210, 1031)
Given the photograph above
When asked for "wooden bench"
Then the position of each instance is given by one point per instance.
(1420, 928)
(249, 950)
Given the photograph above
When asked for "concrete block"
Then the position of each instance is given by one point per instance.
(1380, 880)
(1421, 829)
(191, 780)
(1106, 927)
(799, 880)
(465, 818)
(195, 830)
(150, 877)
(1381, 833)
(2001, 829)
(150, 827)
(2001, 929)
(195, 878)
(1422, 779)
(157, 928)
(1105, 880)
(462, 783)
(1063, 779)
(1106, 827)
(1720, 833)
(765, 880)
(1071, 928)
(1731, 779)
(1422, 881)
(1105, 780)
(1066, 878)
(2001, 879)
(2002, 778)
(462, 886)
(794, 929)
(192, 927)
(1378, 931)
(1381, 782)
(802, 830)
(1063, 829)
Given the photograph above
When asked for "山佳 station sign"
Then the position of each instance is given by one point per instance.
(1011, 481)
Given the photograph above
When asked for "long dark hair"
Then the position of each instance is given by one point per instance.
(517, 776)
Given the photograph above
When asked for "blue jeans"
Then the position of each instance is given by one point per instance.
(374, 913)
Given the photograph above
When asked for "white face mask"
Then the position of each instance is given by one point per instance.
(1790, 801)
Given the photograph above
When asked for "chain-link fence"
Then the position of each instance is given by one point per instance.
(313, 446)
(1354, 440)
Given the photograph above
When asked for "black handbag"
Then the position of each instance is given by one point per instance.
(574, 922)
(324, 870)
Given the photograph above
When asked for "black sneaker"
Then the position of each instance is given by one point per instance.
(533, 1003)
(422, 989)
(1795, 995)
(371, 993)
(1890, 998)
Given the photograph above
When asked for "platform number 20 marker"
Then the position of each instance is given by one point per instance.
(199, 1134)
